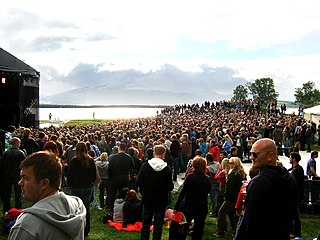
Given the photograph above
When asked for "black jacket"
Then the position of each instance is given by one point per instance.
(155, 184)
(10, 163)
(269, 207)
(132, 212)
(120, 165)
(80, 176)
(297, 174)
(196, 188)
(175, 149)
(234, 183)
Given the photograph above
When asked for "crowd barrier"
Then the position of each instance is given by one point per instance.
(311, 200)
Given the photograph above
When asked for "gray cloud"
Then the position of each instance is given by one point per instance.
(168, 78)
(60, 24)
(18, 20)
(99, 37)
(47, 43)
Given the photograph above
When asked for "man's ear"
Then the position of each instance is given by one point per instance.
(44, 183)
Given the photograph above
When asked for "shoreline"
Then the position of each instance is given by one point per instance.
(102, 106)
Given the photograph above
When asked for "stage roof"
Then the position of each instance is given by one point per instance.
(11, 64)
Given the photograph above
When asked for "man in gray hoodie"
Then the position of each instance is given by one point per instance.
(53, 215)
(155, 182)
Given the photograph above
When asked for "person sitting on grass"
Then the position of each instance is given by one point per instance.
(132, 208)
(118, 205)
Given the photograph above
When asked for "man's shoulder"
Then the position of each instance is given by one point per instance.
(299, 167)
(24, 226)
(311, 160)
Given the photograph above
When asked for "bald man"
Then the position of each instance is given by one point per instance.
(271, 197)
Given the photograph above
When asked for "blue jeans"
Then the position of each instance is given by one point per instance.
(214, 198)
(148, 213)
(104, 187)
(181, 166)
(85, 195)
(176, 164)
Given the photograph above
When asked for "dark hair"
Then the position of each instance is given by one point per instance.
(54, 137)
(150, 152)
(122, 146)
(130, 151)
(45, 165)
(233, 149)
(314, 153)
(198, 152)
(91, 153)
(51, 146)
(199, 165)
(132, 196)
(123, 192)
(82, 153)
(224, 153)
(11, 128)
(253, 172)
(41, 134)
(209, 157)
(296, 156)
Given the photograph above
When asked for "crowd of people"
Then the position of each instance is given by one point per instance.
(206, 142)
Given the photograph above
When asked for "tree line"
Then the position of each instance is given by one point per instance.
(263, 90)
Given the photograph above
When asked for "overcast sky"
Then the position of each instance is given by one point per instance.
(255, 39)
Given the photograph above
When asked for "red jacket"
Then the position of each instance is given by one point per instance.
(216, 153)
(221, 177)
(241, 197)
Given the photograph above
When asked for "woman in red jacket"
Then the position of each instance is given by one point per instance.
(221, 176)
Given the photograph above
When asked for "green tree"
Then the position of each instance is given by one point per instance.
(240, 93)
(308, 95)
(263, 90)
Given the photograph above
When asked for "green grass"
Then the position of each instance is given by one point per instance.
(85, 122)
(100, 231)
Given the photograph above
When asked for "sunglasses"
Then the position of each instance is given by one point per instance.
(255, 154)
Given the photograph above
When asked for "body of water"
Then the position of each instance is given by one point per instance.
(65, 114)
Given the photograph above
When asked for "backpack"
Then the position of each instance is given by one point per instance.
(214, 168)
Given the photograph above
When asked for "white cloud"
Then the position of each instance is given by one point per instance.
(255, 38)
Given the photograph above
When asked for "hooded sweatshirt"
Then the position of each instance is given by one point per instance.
(270, 204)
(155, 182)
(103, 169)
(118, 210)
(55, 217)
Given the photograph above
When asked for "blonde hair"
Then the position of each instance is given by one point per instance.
(104, 157)
(225, 165)
(238, 165)
(227, 136)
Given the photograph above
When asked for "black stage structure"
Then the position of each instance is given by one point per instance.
(19, 92)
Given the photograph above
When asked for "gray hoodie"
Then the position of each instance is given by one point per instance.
(55, 217)
(103, 169)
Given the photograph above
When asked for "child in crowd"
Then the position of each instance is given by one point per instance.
(118, 205)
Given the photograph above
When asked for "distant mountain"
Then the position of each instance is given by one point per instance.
(166, 85)
(103, 95)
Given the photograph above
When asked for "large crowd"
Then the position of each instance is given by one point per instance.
(112, 156)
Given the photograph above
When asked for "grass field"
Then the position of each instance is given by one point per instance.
(100, 231)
